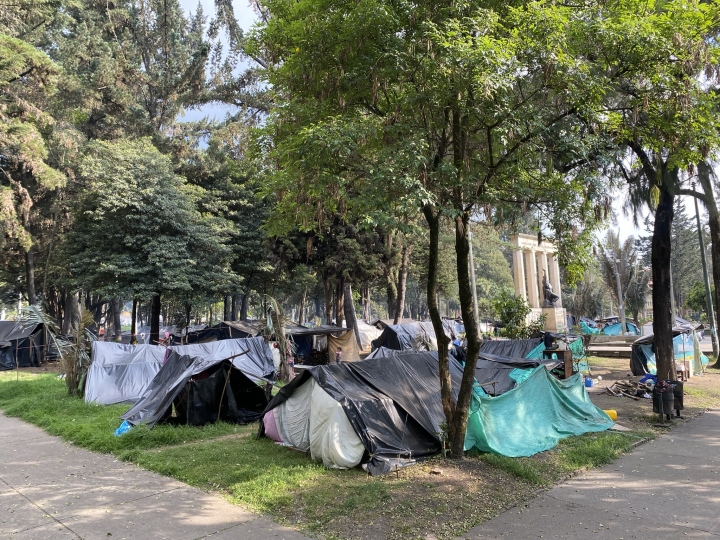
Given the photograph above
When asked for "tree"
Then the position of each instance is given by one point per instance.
(137, 230)
(696, 300)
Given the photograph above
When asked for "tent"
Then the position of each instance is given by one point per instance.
(614, 329)
(121, 373)
(367, 333)
(642, 357)
(381, 413)
(514, 348)
(203, 380)
(382, 324)
(20, 344)
(533, 417)
(414, 335)
(348, 343)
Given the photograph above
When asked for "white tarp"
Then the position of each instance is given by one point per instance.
(332, 438)
(367, 333)
(293, 418)
(121, 373)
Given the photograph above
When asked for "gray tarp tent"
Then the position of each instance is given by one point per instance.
(196, 375)
(121, 373)
(414, 335)
(20, 344)
(514, 348)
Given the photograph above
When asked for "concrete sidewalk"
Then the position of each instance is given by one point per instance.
(666, 489)
(51, 490)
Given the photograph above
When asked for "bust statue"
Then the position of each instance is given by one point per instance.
(548, 294)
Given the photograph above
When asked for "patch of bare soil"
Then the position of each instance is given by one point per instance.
(48, 367)
(436, 499)
(701, 393)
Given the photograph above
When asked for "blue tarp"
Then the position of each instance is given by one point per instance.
(614, 329)
(533, 416)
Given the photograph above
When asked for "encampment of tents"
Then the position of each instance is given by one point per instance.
(121, 373)
(206, 382)
(533, 416)
(20, 344)
(380, 413)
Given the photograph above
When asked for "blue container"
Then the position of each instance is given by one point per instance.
(588, 382)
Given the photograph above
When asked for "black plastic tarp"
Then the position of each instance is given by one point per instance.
(513, 348)
(393, 404)
(121, 373)
(20, 344)
(186, 362)
(414, 335)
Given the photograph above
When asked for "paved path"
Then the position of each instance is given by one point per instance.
(51, 490)
(666, 489)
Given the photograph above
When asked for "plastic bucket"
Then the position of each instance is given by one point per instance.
(611, 413)
(588, 382)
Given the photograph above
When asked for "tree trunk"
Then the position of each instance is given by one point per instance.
(402, 282)
(350, 315)
(235, 307)
(340, 301)
(244, 307)
(227, 311)
(155, 319)
(327, 285)
(301, 314)
(366, 303)
(446, 393)
(705, 178)
(133, 320)
(117, 327)
(661, 292)
(188, 311)
(30, 276)
(462, 249)
(391, 300)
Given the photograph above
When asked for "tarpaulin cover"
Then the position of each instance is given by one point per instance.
(642, 359)
(533, 417)
(332, 437)
(415, 335)
(615, 329)
(349, 346)
(585, 329)
(121, 373)
(392, 403)
(367, 333)
(20, 344)
(183, 362)
(492, 368)
(384, 352)
(514, 348)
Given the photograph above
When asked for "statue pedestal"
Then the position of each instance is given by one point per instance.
(556, 320)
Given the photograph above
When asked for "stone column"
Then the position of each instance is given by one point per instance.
(519, 274)
(555, 278)
(532, 279)
(542, 267)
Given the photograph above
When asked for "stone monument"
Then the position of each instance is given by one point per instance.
(536, 274)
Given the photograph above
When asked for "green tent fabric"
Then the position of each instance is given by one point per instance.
(537, 352)
(533, 416)
(585, 329)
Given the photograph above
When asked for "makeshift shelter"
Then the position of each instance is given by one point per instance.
(367, 333)
(514, 348)
(382, 324)
(381, 413)
(208, 382)
(614, 329)
(417, 336)
(685, 348)
(348, 343)
(121, 373)
(21, 344)
(533, 417)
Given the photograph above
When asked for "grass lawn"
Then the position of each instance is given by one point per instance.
(440, 497)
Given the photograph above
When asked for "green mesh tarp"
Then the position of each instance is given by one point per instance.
(537, 352)
(533, 416)
(585, 329)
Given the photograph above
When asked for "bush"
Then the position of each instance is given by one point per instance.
(512, 311)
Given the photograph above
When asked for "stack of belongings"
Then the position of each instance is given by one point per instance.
(382, 413)
(121, 373)
(206, 383)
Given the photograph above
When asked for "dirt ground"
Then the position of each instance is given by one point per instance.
(701, 392)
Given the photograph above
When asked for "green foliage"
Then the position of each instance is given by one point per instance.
(696, 298)
(137, 230)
